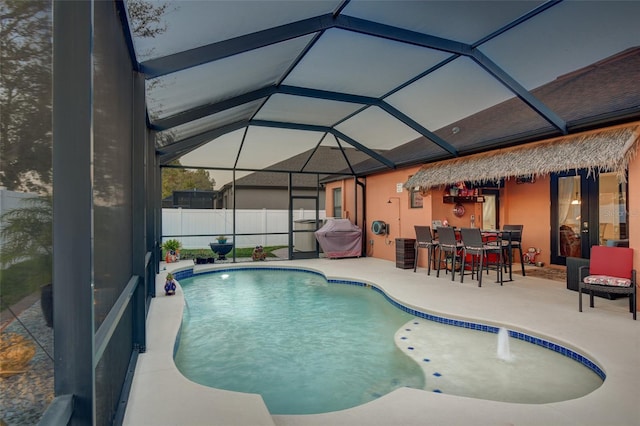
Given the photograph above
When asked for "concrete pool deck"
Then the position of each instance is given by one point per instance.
(160, 395)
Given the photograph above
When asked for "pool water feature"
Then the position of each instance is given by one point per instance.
(464, 362)
(287, 359)
(504, 349)
(305, 345)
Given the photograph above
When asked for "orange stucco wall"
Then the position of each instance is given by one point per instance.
(527, 204)
(380, 189)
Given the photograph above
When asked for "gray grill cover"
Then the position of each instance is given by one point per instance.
(340, 238)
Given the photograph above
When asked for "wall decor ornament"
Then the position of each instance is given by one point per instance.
(458, 210)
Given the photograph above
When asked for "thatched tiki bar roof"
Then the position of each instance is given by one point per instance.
(609, 150)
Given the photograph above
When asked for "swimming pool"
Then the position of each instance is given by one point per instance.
(305, 345)
(240, 348)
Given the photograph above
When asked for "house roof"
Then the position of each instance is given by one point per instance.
(307, 168)
(243, 85)
(592, 92)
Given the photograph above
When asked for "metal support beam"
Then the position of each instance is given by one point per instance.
(315, 128)
(151, 212)
(295, 91)
(531, 14)
(344, 155)
(205, 110)
(59, 412)
(139, 209)
(420, 129)
(519, 91)
(171, 152)
(328, 95)
(384, 160)
(212, 52)
(108, 326)
(157, 208)
(400, 34)
(73, 248)
(126, 30)
(425, 40)
(285, 32)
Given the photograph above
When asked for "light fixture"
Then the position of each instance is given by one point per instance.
(399, 213)
(576, 200)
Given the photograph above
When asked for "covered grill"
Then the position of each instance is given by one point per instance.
(340, 238)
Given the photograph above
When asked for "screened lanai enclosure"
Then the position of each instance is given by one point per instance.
(238, 87)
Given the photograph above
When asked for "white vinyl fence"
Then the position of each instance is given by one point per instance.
(206, 224)
(10, 200)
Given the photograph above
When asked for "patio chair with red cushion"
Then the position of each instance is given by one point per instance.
(610, 271)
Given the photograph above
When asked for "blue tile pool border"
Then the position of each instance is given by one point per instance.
(188, 273)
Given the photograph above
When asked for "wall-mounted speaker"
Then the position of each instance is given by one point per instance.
(379, 227)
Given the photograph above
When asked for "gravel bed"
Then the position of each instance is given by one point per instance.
(27, 395)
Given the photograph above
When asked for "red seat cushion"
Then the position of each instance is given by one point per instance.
(611, 261)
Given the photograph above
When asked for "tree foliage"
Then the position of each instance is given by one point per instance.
(25, 95)
(27, 231)
(146, 18)
(174, 179)
(26, 86)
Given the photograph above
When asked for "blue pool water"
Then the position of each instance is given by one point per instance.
(305, 345)
(308, 346)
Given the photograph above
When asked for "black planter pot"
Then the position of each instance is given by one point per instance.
(46, 302)
(221, 249)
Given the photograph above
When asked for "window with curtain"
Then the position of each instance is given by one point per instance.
(337, 203)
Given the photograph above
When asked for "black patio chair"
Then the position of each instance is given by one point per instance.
(516, 242)
(424, 239)
(474, 245)
(450, 247)
(610, 270)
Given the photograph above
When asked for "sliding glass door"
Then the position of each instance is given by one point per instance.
(586, 210)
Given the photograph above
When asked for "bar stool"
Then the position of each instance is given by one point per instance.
(516, 242)
(448, 244)
(474, 245)
(424, 239)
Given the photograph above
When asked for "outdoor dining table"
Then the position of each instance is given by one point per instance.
(499, 236)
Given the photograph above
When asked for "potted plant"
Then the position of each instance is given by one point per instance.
(46, 302)
(221, 246)
(201, 259)
(172, 247)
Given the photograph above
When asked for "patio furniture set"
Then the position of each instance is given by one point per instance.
(470, 249)
(608, 271)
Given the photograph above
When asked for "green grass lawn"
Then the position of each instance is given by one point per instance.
(22, 279)
(240, 252)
